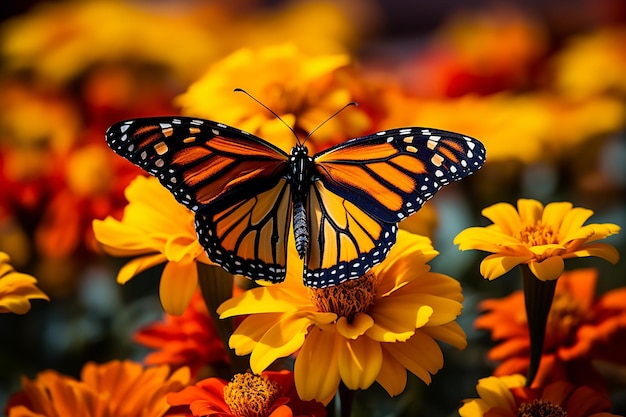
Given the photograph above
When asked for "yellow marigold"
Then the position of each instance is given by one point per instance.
(112, 389)
(183, 40)
(124, 31)
(366, 330)
(16, 289)
(155, 229)
(585, 56)
(303, 89)
(541, 237)
(508, 397)
(547, 122)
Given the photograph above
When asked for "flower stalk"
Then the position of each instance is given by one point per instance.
(538, 296)
(216, 286)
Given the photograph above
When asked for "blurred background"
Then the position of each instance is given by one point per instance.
(541, 83)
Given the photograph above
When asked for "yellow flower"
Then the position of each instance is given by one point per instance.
(547, 122)
(599, 52)
(116, 388)
(155, 228)
(540, 237)
(508, 397)
(180, 40)
(304, 90)
(366, 330)
(124, 31)
(16, 289)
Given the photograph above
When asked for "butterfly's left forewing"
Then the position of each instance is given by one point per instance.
(233, 180)
(364, 187)
(392, 174)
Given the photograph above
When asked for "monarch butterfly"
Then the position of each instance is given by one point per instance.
(344, 202)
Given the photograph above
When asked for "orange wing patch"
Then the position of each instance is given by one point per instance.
(343, 238)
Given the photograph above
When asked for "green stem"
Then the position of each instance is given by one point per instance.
(538, 297)
(346, 396)
(216, 286)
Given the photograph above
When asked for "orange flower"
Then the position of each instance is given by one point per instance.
(507, 397)
(269, 394)
(190, 339)
(579, 329)
(112, 389)
(16, 289)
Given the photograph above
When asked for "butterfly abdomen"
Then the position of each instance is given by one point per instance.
(300, 229)
(300, 163)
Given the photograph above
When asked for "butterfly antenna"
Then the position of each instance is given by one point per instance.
(241, 90)
(352, 103)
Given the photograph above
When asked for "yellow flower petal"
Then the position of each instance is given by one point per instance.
(251, 330)
(392, 375)
(395, 320)
(138, 265)
(555, 213)
(282, 339)
(314, 381)
(178, 283)
(16, 289)
(548, 269)
(359, 362)
(420, 355)
(505, 217)
(496, 265)
(450, 333)
(543, 251)
(572, 220)
(359, 325)
(118, 239)
(530, 211)
(485, 239)
(495, 392)
(275, 299)
(601, 250)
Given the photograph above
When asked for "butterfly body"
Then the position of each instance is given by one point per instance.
(343, 203)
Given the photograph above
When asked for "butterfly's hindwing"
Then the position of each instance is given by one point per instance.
(250, 238)
(392, 174)
(345, 241)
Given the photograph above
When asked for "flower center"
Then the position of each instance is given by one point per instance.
(540, 408)
(249, 395)
(538, 234)
(566, 315)
(348, 298)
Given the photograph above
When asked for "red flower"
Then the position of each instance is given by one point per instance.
(190, 339)
(580, 329)
(269, 394)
